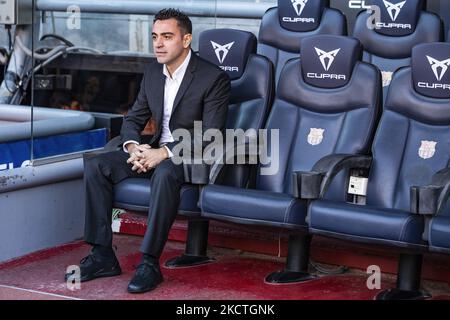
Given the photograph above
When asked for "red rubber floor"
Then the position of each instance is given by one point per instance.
(235, 275)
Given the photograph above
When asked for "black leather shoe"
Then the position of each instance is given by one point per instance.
(147, 277)
(95, 266)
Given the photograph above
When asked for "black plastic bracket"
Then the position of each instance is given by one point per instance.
(196, 173)
(430, 199)
(424, 200)
(314, 184)
(307, 185)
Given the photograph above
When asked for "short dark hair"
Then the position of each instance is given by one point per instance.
(183, 20)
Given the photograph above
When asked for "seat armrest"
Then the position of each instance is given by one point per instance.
(196, 173)
(240, 153)
(314, 184)
(430, 199)
(206, 169)
(307, 184)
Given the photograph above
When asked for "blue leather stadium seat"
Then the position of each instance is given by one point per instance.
(388, 42)
(327, 102)
(283, 27)
(252, 90)
(134, 194)
(411, 145)
(438, 229)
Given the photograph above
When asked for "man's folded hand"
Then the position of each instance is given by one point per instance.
(143, 147)
(152, 157)
(144, 158)
(135, 155)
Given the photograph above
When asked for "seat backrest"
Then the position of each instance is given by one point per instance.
(413, 139)
(284, 26)
(327, 101)
(403, 24)
(252, 85)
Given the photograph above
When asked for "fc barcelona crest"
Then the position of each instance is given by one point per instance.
(427, 149)
(315, 136)
(386, 77)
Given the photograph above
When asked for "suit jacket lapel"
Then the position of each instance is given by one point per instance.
(158, 97)
(187, 79)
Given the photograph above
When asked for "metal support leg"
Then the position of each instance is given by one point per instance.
(408, 280)
(196, 245)
(297, 262)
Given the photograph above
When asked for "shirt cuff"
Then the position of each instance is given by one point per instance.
(128, 142)
(169, 152)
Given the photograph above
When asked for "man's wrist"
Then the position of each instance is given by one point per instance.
(130, 147)
(165, 152)
(128, 144)
(169, 153)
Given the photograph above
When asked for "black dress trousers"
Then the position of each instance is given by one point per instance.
(102, 171)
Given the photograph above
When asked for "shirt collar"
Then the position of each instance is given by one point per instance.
(181, 70)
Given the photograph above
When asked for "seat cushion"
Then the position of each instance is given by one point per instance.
(439, 234)
(252, 207)
(365, 223)
(134, 194)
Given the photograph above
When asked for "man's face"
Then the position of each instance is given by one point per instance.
(168, 41)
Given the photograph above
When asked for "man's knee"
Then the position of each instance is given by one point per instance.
(91, 162)
(95, 162)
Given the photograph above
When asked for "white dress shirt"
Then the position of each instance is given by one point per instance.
(171, 87)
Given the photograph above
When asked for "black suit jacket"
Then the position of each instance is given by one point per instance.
(203, 96)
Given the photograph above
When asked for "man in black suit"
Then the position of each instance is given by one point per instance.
(177, 89)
